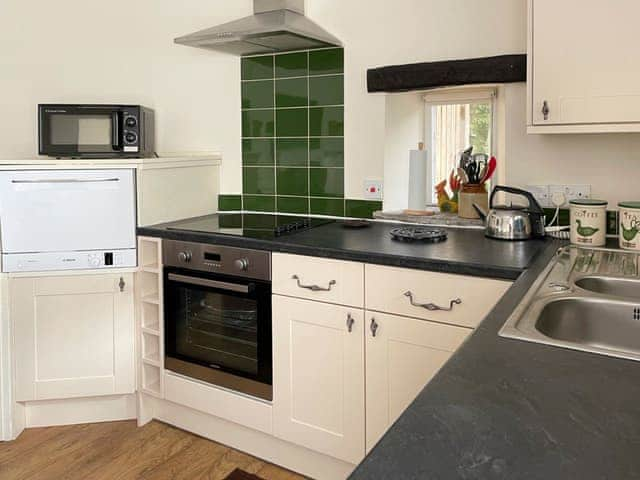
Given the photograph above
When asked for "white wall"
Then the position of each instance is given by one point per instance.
(121, 51)
(610, 163)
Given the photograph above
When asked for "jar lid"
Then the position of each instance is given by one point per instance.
(589, 202)
(629, 204)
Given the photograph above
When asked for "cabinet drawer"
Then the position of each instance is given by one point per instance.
(388, 290)
(322, 279)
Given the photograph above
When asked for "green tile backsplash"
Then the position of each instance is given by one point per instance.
(292, 129)
(293, 136)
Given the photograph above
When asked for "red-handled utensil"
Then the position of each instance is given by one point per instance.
(493, 163)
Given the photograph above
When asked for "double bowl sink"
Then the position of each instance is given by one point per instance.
(586, 299)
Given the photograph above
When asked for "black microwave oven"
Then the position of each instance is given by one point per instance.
(95, 131)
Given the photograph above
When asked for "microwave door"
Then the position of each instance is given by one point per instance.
(75, 131)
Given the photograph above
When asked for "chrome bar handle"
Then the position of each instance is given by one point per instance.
(374, 327)
(432, 307)
(67, 180)
(350, 322)
(314, 288)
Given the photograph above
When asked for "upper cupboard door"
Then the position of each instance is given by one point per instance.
(64, 210)
(585, 62)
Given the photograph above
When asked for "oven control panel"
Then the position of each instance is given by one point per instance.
(239, 262)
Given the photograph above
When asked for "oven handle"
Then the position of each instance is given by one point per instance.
(203, 282)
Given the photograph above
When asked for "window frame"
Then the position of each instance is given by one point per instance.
(454, 96)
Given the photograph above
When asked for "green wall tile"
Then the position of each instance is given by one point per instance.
(323, 62)
(254, 68)
(292, 123)
(259, 203)
(257, 94)
(327, 206)
(227, 203)
(292, 152)
(258, 123)
(612, 222)
(260, 221)
(293, 181)
(258, 151)
(326, 182)
(326, 90)
(230, 221)
(292, 92)
(259, 180)
(326, 122)
(361, 208)
(292, 65)
(326, 152)
(293, 205)
(292, 128)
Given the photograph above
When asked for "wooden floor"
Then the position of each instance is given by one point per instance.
(121, 451)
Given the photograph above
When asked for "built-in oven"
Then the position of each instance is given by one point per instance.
(218, 316)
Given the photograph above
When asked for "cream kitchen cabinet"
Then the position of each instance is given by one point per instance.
(73, 335)
(403, 355)
(584, 74)
(319, 377)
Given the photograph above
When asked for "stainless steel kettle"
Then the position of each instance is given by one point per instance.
(513, 222)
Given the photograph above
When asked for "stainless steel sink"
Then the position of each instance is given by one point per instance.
(586, 299)
(612, 286)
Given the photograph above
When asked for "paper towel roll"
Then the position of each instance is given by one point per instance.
(418, 161)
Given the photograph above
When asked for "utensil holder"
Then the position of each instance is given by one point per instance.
(472, 193)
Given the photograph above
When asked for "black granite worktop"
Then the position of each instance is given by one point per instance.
(500, 408)
(466, 251)
(508, 409)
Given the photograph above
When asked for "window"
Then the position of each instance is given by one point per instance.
(456, 119)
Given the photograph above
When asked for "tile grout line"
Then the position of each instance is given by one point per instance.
(275, 79)
(275, 141)
(257, 109)
(308, 139)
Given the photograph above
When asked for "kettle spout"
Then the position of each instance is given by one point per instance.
(481, 212)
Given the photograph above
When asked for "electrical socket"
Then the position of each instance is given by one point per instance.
(571, 192)
(541, 194)
(373, 189)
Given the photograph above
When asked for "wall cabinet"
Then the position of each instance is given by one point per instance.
(402, 356)
(73, 335)
(584, 74)
(319, 376)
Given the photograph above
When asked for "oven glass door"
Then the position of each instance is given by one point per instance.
(218, 329)
(80, 131)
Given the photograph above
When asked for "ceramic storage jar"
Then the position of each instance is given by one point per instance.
(588, 222)
(629, 225)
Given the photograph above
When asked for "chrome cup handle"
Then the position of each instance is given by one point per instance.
(314, 288)
(432, 307)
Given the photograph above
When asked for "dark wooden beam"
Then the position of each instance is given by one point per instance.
(422, 76)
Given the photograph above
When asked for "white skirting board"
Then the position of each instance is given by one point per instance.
(80, 410)
(258, 444)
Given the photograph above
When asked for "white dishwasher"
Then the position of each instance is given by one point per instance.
(67, 219)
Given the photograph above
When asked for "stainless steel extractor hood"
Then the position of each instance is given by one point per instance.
(275, 26)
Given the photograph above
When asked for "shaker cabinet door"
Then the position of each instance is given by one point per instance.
(73, 336)
(403, 355)
(319, 377)
(584, 64)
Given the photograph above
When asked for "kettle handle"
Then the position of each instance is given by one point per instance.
(534, 206)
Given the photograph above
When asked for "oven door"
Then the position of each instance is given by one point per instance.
(67, 130)
(218, 330)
